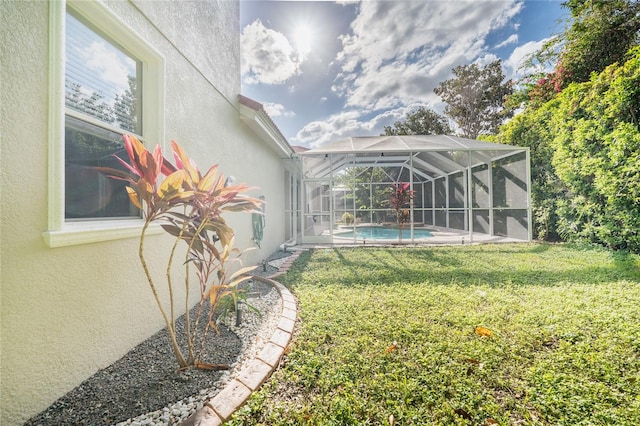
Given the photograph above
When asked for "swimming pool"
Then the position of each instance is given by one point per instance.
(380, 233)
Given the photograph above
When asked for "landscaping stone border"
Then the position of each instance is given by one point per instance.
(221, 407)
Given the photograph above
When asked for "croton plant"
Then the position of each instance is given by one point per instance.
(189, 206)
(401, 196)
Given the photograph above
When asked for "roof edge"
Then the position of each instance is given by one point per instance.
(351, 145)
(252, 113)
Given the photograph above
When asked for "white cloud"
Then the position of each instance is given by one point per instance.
(515, 66)
(277, 110)
(267, 56)
(398, 52)
(393, 56)
(513, 38)
(350, 123)
(485, 60)
(337, 126)
(112, 68)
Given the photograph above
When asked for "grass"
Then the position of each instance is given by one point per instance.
(388, 335)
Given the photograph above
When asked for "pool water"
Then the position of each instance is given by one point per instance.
(380, 233)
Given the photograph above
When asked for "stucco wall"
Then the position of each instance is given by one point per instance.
(67, 312)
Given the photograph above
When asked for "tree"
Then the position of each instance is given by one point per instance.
(531, 128)
(585, 151)
(601, 34)
(476, 97)
(422, 121)
(126, 106)
(581, 122)
(596, 145)
(364, 187)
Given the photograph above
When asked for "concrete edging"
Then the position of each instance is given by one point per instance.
(222, 406)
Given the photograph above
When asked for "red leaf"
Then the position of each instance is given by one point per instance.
(129, 148)
(391, 348)
(148, 166)
(158, 159)
(128, 166)
(167, 167)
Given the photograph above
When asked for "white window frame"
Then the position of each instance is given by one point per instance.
(61, 232)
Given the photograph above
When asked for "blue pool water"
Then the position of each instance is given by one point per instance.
(379, 233)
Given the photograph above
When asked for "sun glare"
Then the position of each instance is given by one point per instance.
(302, 38)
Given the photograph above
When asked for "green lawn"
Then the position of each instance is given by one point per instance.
(564, 345)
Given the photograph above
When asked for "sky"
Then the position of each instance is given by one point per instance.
(326, 70)
(95, 64)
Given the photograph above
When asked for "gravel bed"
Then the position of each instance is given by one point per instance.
(145, 388)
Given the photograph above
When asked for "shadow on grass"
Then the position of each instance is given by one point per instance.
(492, 265)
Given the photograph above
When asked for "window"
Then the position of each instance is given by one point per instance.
(105, 81)
(102, 101)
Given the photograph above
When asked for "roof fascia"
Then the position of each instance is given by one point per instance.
(262, 125)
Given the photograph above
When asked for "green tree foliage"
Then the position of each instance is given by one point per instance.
(476, 97)
(597, 155)
(125, 109)
(532, 129)
(422, 121)
(581, 123)
(585, 157)
(368, 186)
(601, 33)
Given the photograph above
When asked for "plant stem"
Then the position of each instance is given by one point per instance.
(170, 284)
(172, 331)
(191, 338)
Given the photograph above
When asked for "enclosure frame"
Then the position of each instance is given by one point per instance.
(450, 176)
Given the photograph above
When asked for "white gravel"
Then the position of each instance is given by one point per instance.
(255, 330)
(146, 378)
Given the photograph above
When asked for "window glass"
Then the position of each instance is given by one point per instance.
(100, 78)
(102, 102)
(88, 192)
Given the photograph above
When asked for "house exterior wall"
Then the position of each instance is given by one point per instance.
(67, 312)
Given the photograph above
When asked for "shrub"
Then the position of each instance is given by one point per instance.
(400, 198)
(347, 218)
(189, 207)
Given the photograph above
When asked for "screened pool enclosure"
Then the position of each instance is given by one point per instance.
(462, 186)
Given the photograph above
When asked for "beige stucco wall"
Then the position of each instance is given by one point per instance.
(67, 312)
